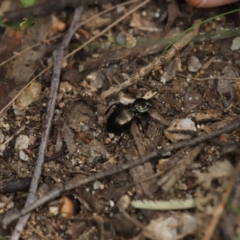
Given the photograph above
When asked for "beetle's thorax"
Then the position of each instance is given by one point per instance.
(141, 105)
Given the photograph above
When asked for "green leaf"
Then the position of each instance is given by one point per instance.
(26, 23)
(27, 3)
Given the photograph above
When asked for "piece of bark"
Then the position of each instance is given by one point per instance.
(141, 173)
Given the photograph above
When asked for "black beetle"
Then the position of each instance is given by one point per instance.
(120, 119)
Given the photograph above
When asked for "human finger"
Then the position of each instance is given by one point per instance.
(209, 3)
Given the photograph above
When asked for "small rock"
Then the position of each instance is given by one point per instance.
(53, 211)
(180, 129)
(95, 80)
(235, 44)
(121, 39)
(22, 142)
(2, 148)
(194, 64)
(185, 124)
(96, 185)
(65, 87)
(1, 136)
(28, 96)
(23, 156)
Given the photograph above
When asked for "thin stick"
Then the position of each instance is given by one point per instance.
(29, 48)
(151, 156)
(209, 78)
(156, 64)
(58, 56)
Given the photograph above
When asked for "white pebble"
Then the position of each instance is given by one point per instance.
(96, 185)
(23, 156)
(235, 44)
(194, 64)
(22, 142)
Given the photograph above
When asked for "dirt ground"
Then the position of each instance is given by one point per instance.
(190, 191)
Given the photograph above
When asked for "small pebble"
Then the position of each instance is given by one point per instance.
(194, 64)
(22, 142)
(96, 185)
(235, 44)
(28, 96)
(23, 156)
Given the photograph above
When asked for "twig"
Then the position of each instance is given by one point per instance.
(151, 156)
(15, 134)
(58, 56)
(18, 54)
(156, 63)
(22, 184)
(220, 208)
(209, 78)
(47, 7)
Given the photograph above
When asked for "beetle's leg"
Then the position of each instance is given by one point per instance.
(119, 140)
(139, 124)
(114, 104)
